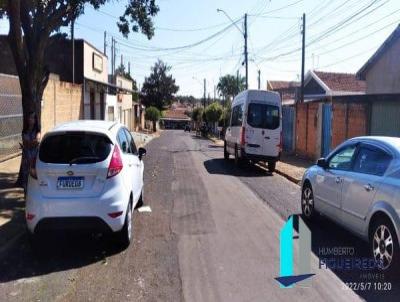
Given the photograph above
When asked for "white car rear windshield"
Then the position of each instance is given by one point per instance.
(74, 148)
(263, 116)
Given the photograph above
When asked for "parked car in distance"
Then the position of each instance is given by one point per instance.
(358, 186)
(187, 128)
(87, 175)
(255, 129)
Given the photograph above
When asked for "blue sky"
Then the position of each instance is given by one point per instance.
(342, 35)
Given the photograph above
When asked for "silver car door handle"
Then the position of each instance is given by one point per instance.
(368, 188)
(338, 180)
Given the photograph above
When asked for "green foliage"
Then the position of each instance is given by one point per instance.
(225, 117)
(228, 85)
(152, 114)
(213, 112)
(197, 114)
(159, 88)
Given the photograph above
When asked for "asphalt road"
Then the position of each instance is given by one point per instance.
(212, 235)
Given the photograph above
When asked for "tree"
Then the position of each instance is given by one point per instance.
(152, 114)
(213, 112)
(32, 22)
(159, 88)
(228, 86)
(197, 114)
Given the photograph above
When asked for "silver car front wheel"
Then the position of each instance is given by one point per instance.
(307, 202)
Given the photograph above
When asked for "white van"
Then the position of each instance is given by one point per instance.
(255, 129)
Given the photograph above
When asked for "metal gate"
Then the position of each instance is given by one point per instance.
(326, 129)
(385, 119)
(288, 128)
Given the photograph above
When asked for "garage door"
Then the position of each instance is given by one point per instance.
(385, 118)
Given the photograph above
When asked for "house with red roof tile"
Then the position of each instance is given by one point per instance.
(334, 109)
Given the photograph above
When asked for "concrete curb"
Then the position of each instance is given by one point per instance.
(11, 156)
(289, 177)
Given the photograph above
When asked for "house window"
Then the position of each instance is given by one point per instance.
(110, 112)
(97, 62)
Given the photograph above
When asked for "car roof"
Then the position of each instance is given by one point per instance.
(390, 142)
(252, 93)
(98, 126)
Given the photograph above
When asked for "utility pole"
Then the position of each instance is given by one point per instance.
(122, 59)
(237, 82)
(73, 49)
(105, 43)
(245, 52)
(215, 93)
(112, 56)
(259, 79)
(303, 57)
(205, 91)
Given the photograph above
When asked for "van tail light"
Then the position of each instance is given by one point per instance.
(115, 164)
(32, 169)
(30, 216)
(243, 136)
(280, 145)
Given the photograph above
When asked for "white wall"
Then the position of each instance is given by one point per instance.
(88, 70)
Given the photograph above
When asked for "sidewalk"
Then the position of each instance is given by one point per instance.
(291, 167)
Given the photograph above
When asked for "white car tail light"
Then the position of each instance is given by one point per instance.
(116, 164)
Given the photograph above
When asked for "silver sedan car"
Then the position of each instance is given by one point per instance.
(358, 186)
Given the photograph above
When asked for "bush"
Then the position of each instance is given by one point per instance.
(152, 114)
(197, 114)
(214, 112)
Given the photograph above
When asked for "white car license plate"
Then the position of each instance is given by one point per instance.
(70, 183)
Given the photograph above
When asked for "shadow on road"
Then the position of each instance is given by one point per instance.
(55, 253)
(326, 234)
(224, 167)
(12, 207)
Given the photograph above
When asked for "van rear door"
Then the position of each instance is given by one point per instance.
(264, 120)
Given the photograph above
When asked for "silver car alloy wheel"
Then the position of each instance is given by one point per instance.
(383, 247)
(308, 202)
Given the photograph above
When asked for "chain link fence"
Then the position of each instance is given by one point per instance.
(10, 116)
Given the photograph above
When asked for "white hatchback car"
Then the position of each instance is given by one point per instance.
(87, 175)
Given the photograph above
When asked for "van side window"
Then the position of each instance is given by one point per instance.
(237, 116)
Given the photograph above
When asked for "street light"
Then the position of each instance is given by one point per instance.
(244, 33)
(230, 19)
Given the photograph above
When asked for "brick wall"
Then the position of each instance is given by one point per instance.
(354, 125)
(307, 130)
(62, 102)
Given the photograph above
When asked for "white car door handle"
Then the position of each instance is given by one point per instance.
(368, 188)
